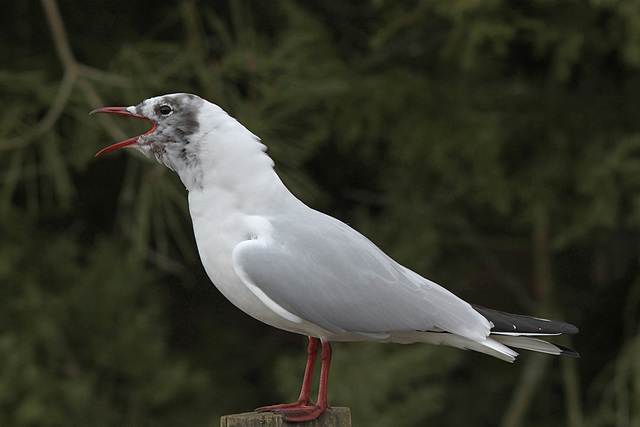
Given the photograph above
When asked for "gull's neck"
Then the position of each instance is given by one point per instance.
(235, 173)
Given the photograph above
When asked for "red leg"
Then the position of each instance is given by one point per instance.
(307, 412)
(305, 394)
(324, 376)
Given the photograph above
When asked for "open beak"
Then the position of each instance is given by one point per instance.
(124, 112)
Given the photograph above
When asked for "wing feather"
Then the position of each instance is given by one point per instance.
(321, 270)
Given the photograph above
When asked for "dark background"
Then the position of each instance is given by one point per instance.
(490, 146)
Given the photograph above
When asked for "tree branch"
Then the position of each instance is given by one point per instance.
(50, 118)
(59, 34)
(74, 73)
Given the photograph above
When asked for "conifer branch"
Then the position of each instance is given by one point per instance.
(74, 73)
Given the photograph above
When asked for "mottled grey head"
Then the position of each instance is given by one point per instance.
(196, 139)
(175, 121)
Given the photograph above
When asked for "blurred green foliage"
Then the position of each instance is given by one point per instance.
(491, 146)
(78, 347)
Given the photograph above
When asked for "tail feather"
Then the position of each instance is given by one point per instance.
(534, 344)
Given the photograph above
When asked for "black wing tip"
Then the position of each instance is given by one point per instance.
(570, 329)
(518, 323)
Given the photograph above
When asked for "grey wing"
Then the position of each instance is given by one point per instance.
(323, 271)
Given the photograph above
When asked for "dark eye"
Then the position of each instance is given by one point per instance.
(165, 110)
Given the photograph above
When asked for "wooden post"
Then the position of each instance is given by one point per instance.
(334, 417)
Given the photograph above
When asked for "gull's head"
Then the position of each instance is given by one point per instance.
(186, 131)
(175, 123)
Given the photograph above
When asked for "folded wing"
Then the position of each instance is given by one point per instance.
(321, 270)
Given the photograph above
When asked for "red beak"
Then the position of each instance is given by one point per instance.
(122, 111)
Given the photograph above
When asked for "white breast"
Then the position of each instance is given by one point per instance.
(218, 228)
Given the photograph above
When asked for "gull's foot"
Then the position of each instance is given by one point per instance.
(298, 414)
(285, 406)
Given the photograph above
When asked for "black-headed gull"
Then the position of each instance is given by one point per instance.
(298, 269)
